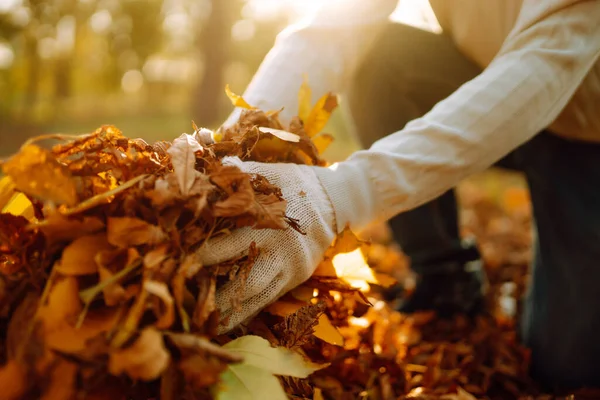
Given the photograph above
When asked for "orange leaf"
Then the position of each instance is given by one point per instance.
(146, 359)
(66, 338)
(62, 381)
(327, 332)
(35, 171)
(13, 380)
(78, 258)
(63, 302)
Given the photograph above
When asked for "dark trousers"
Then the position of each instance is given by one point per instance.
(406, 73)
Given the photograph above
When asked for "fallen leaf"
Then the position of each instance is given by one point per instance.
(236, 184)
(325, 331)
(353, 268)
(247, 382)
(145, 359)
(63, 302)
(62, 381)
(236, 100)
(13, 380)
(201, 370)
(297, 328)
(58, 228)
(66, 337)
(258, 352)
(78, 258)
(165, 311)
(183, 157)
(128, 232)
(36, 172)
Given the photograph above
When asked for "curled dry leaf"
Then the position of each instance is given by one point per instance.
(145, 359)
(183, 157)
(127, 232)
(164, 310)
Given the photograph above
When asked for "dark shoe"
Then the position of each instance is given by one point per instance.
(452, 288)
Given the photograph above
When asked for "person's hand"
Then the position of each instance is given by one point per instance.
(287, 258)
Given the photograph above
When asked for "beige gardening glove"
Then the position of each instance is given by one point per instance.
(287, 258)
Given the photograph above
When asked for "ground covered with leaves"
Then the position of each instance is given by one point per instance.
(103, 294)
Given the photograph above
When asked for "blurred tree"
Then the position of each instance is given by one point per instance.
(214, 39)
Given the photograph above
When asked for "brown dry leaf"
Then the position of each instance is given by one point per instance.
(111, 267)
(297, 328)
(13, 380)
(145, 359)
(128, 232)
(236, 184)
(62, 382)
(319, 115)
(268, 212)
(67, 338)
(205, 301)
(237, 100)
(183, 157)
(165, 311)
(78, 258)
(201, 370)
(58, 228)
(63, 303)
(154, 258)
(36, 172)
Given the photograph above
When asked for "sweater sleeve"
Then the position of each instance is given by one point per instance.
(326, 48)
(542, 62)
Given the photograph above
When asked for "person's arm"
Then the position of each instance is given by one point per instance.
(541, 64)
(326, 47)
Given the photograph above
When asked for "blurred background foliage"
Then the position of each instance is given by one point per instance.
(149, 67)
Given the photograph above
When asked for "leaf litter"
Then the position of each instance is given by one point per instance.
(102, 295)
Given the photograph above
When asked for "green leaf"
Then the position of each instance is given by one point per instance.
(247, 382)
(276, 360)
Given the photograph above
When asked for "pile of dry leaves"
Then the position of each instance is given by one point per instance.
(102, 295)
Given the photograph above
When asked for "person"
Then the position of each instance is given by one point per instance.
(514, 83)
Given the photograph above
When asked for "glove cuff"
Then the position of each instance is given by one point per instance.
(350, 194)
